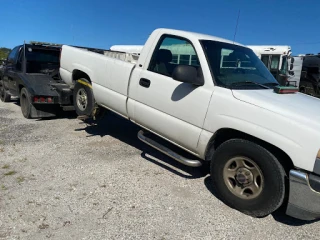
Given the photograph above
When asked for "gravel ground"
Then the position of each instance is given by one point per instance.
(62, 179)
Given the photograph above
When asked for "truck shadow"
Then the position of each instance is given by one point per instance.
(60, 114)
(278, 215)
(125, 131)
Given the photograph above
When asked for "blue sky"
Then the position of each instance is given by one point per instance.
(103, 23)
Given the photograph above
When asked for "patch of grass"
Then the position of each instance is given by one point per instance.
(10, 173)
(6, 166)
(3, 187)
(20, 179)
(1, 142)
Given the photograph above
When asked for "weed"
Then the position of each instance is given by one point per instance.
(20, 179)
(10, 173)
(6, 166)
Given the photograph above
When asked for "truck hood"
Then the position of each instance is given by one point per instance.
(298, 107)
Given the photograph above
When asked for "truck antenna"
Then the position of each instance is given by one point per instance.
(235, 32)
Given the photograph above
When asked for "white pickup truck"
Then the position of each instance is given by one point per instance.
(217, 103)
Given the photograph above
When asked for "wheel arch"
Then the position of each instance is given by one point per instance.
(77, 74)
(20, 87)
(225, 134)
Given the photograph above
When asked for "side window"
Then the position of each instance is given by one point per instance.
(265, 60)
(11, 57)
(171, 52)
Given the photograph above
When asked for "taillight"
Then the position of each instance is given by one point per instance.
(37, 99)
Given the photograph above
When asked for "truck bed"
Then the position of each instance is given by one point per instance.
(102, 69)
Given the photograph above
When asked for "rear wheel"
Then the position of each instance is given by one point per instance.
(25, 103)
(4, 96)
(248, 177)
(83, 98)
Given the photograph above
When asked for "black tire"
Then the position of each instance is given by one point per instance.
(83, 98)
(272, 181)
(4, 96)
(25, 103)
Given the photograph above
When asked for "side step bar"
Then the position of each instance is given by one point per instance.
(168, 152)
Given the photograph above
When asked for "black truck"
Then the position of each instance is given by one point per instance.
(310, 75)
(31, 73)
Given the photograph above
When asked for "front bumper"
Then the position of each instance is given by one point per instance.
(304, 196)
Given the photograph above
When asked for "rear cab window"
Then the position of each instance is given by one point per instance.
(41, 60)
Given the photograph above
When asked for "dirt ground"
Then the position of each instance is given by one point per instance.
(62, 179)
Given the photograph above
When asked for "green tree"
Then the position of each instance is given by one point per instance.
(4, 52)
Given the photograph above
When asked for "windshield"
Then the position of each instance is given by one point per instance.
(232, 65)
(284, 65)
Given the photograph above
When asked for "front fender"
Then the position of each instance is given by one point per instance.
(298, 142)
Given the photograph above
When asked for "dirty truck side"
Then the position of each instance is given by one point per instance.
(214, 99)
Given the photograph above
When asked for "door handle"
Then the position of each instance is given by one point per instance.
(144, 82)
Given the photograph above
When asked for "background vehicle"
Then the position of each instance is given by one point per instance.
(219, 106)
(302, 71)
(310, 75)
(272, 56)
(31, 73)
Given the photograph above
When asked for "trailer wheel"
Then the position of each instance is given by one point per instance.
(25, 103)
(83, 98)
(4, 96)
(248, 178)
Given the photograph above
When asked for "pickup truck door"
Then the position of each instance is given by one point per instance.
(172, 109)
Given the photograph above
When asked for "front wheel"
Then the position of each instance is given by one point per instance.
(83, 99)
(4, 96)
(248, 178)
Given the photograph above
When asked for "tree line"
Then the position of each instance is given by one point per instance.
(4, 52)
